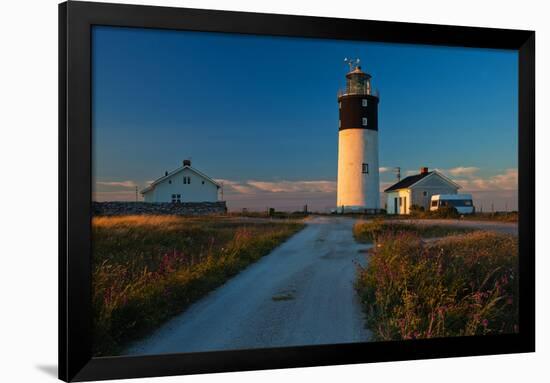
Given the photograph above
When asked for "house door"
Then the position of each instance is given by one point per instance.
(396, 206)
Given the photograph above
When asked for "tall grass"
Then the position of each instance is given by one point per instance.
(452, 213)
(149, 268)
(511, 216)
(457, 286)
(369, 231)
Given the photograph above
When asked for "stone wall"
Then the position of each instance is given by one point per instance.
(160, 208)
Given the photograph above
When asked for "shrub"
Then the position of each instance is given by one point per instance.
(457, 286)
(445, 212)
(416, 209)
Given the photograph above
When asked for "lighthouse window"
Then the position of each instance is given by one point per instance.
(340, 105)
(365, 169)
(365, 102)
(364, 121)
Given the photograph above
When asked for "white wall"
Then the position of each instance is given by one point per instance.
(29, 138)
(196, 191)
(432, 185)
(404, 207)
(355, 189)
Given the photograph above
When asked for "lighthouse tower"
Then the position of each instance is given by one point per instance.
(358, 181)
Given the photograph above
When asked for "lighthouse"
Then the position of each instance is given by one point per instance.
(358, 187)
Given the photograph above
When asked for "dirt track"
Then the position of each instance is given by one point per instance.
(300, 294)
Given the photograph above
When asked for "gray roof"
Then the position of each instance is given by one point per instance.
(408, 181)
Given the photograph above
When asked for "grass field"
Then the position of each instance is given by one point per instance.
(498, 216)
(459, 285)
(510, 217)
(149, 268)
(501, 216)
(369, 231)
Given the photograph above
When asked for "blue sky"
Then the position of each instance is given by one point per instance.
(261, 113)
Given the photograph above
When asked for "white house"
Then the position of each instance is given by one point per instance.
(418, 190)
(185, 184)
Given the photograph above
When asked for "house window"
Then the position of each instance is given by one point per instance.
(186, 180)
(364, 121)
(434, 203)
(425, 193)
(169, 181)
(176, 198)
(365, 169)
(203, 182)
(365, 102)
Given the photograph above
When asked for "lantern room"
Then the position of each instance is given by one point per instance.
(358, 82)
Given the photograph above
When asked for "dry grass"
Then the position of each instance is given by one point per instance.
(128, 221)
(457, 286)
(497, 217)
(369, 231)
(149, 268)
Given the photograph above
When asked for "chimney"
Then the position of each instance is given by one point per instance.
(186, 162)
(423, 170)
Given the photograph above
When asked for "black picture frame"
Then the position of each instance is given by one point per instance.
(75, 336)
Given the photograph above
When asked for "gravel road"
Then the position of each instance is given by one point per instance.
(300, 294)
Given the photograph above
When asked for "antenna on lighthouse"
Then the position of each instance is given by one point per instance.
(352, 62)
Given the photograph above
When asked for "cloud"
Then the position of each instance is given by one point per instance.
(384, 169)
(505, 181)
(122, 184)
(236, 187)
(464, 171)
(467, 177)
(124, 195)
(295, 186)
(263, 187)
(459, 171)
(319, 195)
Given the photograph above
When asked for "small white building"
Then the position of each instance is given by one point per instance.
(418, 190)
(185, 184)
